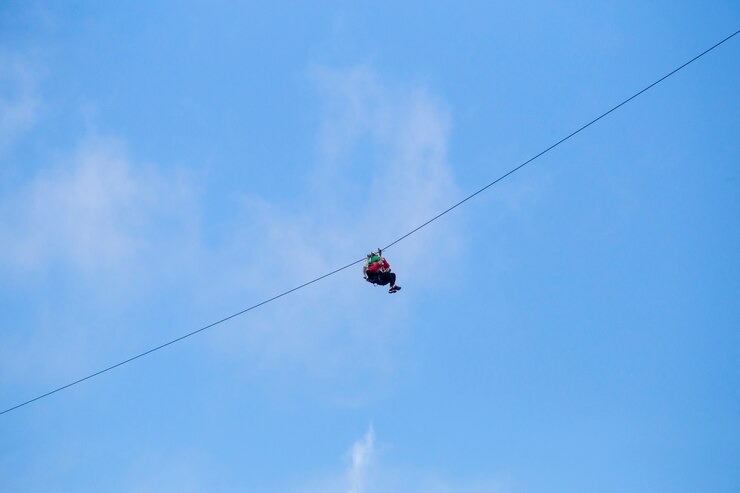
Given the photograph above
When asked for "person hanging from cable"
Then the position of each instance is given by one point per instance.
(377, 270)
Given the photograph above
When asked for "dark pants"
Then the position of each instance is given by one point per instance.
(382, 278)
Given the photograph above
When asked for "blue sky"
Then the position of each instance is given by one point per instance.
(165, 164)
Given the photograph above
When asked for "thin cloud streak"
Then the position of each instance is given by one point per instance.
(362, 453)
(368, 472)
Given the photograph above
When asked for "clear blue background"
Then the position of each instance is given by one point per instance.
(575, 328)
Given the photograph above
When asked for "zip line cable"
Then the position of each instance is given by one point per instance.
(449, 209)
(584, 127)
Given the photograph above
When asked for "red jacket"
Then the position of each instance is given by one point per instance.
(380, 266)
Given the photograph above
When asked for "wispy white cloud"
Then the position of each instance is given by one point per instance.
(361, 456)
(95, 210)
(408, 177)
(368, 472)
(102, 215)
(382, 168)
(108, 226)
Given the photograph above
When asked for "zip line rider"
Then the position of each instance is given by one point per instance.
(377, 270)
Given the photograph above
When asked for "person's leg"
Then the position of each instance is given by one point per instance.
(394, 287)
(382, 278)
